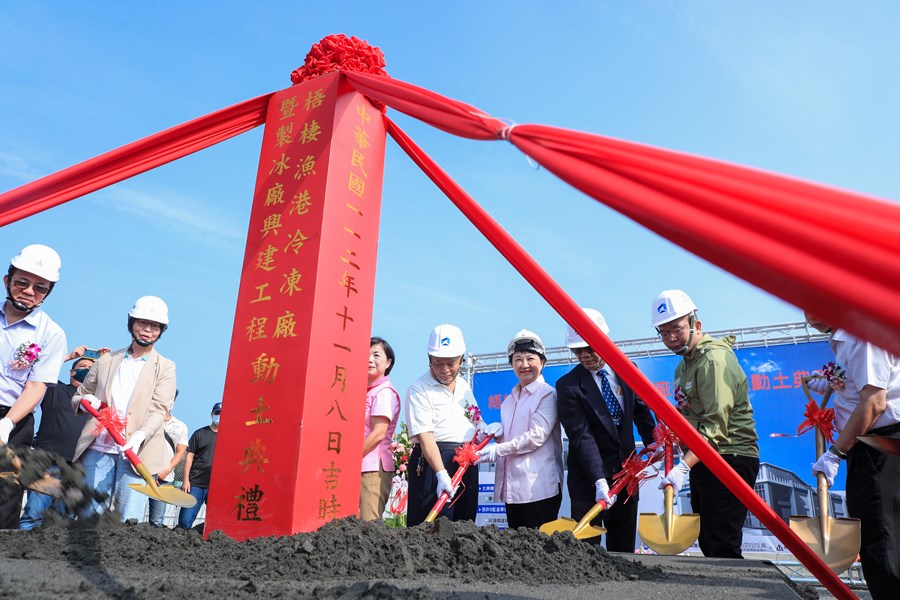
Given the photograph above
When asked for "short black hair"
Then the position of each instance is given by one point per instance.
(388, 352)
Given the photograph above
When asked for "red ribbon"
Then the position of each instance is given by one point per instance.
(634, 473)
(466, 454)
(108, 419)
(823, 418)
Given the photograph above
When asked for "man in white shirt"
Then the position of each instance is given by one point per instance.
(867, 401)
(32, 349)
(441, 414)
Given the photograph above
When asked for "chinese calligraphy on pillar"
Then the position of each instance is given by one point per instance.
(289, 447)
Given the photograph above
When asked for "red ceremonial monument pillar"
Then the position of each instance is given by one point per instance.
(289, 446)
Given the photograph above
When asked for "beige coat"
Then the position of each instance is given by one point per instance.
(154, 394)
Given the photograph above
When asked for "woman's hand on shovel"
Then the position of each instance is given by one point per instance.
(134, 442)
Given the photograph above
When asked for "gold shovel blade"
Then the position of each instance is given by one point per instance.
(567, 524)
(839, 548)
(668, 537)
(165, 493)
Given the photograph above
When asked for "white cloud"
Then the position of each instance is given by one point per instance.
(16, 167)
(176, 213)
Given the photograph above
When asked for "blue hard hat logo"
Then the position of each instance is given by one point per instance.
(661, 308)
(445, 341)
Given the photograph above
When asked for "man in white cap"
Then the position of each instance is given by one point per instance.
(32, 350)
(867, 402)
(139, 383)
(712, 393)
(441, 414)
(599, 413)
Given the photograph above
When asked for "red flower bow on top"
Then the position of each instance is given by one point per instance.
(337, 52)
(823, 418)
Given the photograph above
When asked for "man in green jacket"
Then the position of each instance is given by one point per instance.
(712, 394)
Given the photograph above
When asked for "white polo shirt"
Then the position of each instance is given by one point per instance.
(36, 328)
(431, 406)
(865, 364)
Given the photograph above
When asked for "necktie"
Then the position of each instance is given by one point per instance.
(612, 404)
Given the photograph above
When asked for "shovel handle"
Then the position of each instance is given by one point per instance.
(457, 478)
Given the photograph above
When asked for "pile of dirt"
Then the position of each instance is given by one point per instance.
(346, 549)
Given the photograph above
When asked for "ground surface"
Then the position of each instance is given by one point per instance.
(350, 559)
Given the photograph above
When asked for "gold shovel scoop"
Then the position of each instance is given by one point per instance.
(835, 541)
(669, 533)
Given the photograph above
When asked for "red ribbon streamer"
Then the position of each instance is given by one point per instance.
(108, 419)
(823, 418)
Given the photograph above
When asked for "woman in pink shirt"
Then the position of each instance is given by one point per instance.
(382, 412)
(529, 459)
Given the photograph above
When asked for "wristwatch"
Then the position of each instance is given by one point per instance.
(839, 453)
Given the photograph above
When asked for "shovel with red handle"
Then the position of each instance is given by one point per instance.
(630, 477)
(165, 493)
(457, 477)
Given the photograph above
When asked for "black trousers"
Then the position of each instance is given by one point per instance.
(722, 515)
(11, 494)
(620, 522)
(533, 514)
(423, 487)
(873, 497)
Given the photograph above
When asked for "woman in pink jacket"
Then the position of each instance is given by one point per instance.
(382, 412)
(529, 457)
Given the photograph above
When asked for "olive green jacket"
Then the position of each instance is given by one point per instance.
(715, 397)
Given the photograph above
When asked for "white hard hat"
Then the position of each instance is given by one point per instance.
(40, 260)
(527, 341)
(446, 341)
(150, 308)
(573, 340)
(670, 305)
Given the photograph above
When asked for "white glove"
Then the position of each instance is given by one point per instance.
(444, 484)
(134, 442)
(487, 454)
(675, 478)
(93, 400)
(485, 430)
(603, 493)
(828, 464)
(6, 427)
(819, 386)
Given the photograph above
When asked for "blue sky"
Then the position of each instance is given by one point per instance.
(801, 88)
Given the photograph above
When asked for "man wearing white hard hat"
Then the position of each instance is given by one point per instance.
(139, 383)
(599, 413)
(441, 414)
(32, 351)
(712, 393)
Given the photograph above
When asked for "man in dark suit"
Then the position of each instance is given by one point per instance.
(599, 413)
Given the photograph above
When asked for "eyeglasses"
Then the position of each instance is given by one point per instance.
(24, 284)
(674, 332)
(143, 323)
(582, 350)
